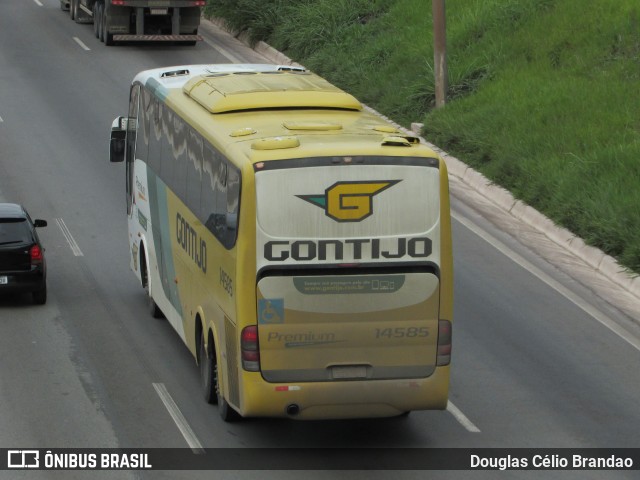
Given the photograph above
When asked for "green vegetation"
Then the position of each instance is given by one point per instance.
(543, 95)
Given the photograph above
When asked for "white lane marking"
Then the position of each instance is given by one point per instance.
(81, 43)
(223, 51)
(557, 286)
(178, 418)
(38, 3)
(1, 120)
(462, 418)
(70, 240)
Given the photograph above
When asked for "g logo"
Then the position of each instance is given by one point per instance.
(349, 201)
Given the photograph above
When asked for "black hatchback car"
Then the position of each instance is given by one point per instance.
(22, 264)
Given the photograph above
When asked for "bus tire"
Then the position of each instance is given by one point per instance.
(206, 360)
(226, 411)
(152, 306)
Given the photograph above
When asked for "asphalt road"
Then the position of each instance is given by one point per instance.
(534, 362)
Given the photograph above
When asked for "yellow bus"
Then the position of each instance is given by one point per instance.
(299, 244)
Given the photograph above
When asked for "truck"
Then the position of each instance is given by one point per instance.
(139, 20)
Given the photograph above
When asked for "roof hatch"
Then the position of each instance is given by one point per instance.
(228, 92)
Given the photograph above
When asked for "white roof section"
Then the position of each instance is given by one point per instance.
(177, 76)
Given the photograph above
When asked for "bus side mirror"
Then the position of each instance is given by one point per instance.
(117, 141)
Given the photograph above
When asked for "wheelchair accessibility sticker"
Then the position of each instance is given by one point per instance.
(270, 310)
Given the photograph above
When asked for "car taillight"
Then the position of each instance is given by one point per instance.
(199, 3)
(117, 2)
(444, 343)
(249, 349)
(36, 255)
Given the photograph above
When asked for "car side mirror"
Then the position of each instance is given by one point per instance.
(39, 223)
(117, 141)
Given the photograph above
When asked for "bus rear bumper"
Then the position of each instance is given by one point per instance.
(346, 399)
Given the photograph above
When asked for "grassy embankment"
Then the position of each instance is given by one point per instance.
(544, 95)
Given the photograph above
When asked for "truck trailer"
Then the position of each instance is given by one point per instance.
(139, 20)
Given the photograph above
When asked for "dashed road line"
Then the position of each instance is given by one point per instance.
(462, 418)
(81, 43)
(178, 418)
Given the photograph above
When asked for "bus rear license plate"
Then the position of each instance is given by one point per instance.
(4, 280)
(159, 11)
(349, 371)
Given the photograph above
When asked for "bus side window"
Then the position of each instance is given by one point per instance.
(155, 140)
(166, 156)
(132, 124)
(132, 128)
(233, 201)
(208, 200)
(179, 155)
(220, 196)
(194, 171)
(143, 136)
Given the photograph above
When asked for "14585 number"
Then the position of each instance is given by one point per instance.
(402, 332)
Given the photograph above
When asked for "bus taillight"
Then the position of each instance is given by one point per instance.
(444, 343)
(249, 349)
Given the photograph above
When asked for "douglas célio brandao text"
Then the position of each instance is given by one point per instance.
(550, 462)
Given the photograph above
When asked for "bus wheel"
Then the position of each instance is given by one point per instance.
(153, 308)
(226, 411)
(206, 372)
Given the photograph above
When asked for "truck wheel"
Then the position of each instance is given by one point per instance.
(64, 6)
(107, 37)
(96, 20)
(100, 21)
